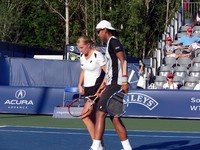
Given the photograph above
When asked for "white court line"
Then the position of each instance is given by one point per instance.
(166, 136)
(108, 134)
(192, 132)
(42, 132)
(3, 126)
(35, 127)
(83, 129)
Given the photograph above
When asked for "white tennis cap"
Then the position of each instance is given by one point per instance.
(104, 24)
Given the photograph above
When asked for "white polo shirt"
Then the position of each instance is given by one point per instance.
(92, 68)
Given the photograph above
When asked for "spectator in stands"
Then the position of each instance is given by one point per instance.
(194, 46)
(197, 19)
(92, 64)
(186, 40)
(170, 84)
(169, 49)
(142, 78)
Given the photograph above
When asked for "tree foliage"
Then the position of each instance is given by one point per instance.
(11, 12)
(140, 23)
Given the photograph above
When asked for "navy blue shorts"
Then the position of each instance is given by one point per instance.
(91, 90)
(109, 91)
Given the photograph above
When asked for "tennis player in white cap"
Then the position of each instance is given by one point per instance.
(116, 79)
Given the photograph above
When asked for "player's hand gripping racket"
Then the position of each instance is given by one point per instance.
(75, 108)
(117, 104)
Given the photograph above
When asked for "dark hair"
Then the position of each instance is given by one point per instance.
(113, 32)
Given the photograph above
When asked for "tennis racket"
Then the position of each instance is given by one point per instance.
(117, 104)
(75, 108)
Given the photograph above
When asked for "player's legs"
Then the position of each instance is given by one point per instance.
(89, 118)
(99, 130)
(101, 115)
(102, 110)
(120, 128)
(122, 133)
(99, 125)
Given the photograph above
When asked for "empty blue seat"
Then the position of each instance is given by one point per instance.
(74, 93)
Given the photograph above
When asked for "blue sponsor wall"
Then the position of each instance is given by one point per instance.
(164, 104)
(142, 103)
(31, 100)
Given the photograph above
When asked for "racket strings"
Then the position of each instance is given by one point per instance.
(116, 105)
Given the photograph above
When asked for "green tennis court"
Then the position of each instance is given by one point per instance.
(131, 123)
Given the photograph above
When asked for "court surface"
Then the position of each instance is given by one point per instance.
(51, 138)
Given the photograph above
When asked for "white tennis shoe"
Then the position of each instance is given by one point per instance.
(101, 148)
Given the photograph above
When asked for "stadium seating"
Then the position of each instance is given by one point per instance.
(159, 81)
(178, 51)
(197, 52)
(184, 61)
(180, 71)
(196, 61)
(186, 88)
(170, 61)
(196, 34)
(194, 71)
(164, 70)
(196, 29)
(184, 28)
(185, 69)
(179, 81)
(191, 81)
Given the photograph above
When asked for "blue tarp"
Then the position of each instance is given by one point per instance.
(45, 73)
(5, 71)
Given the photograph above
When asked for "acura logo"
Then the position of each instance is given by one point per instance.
(20, 94)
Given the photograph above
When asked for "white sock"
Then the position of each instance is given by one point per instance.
(96, 145)
(126, 145)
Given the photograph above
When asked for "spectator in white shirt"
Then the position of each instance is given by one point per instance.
(170, 84)
(142, 78)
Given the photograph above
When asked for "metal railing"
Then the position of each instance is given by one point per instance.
(189, 11)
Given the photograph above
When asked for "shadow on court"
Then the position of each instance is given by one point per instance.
(32, 138)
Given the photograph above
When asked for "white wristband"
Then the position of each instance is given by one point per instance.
(124, 78)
